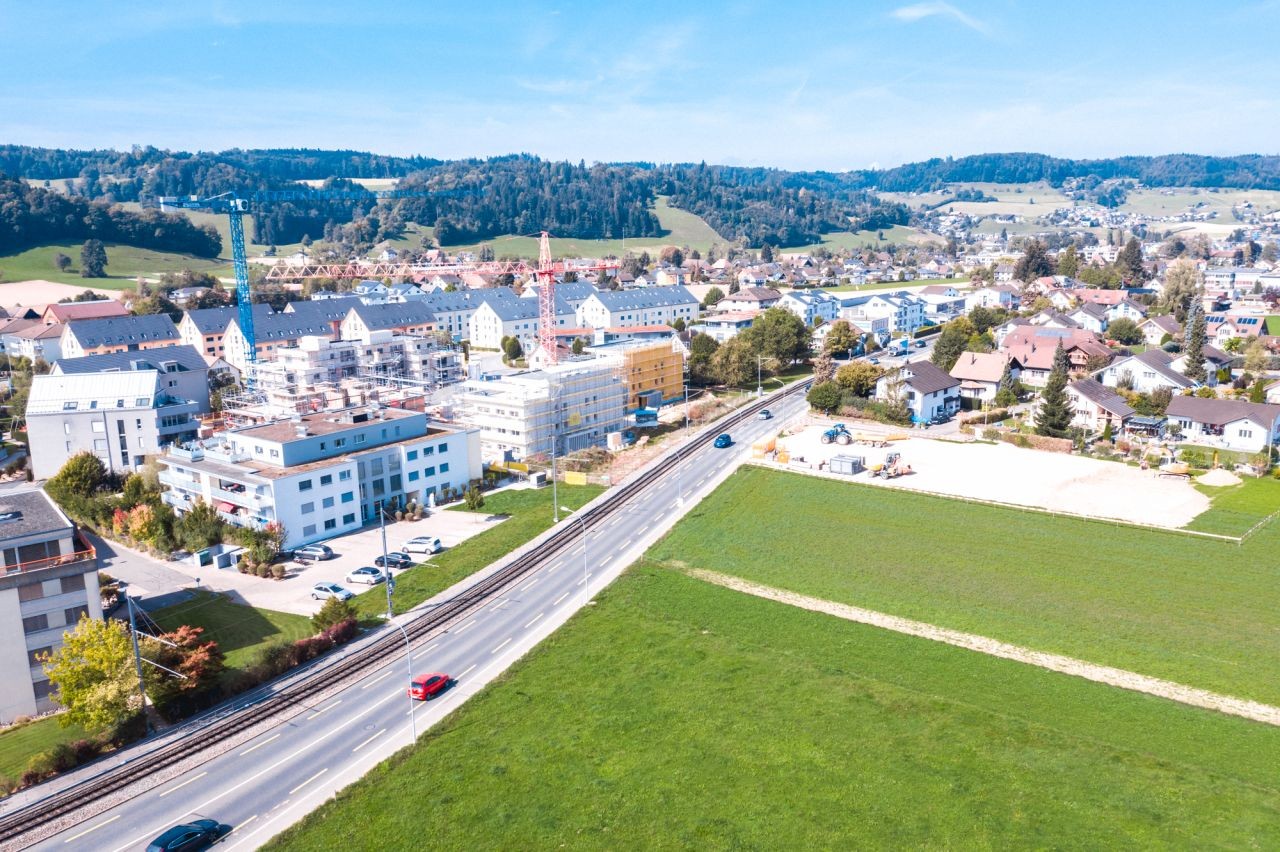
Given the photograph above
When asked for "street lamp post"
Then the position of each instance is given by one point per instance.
(759, 383)
(391, 587)
(582, 523)
(555, 493)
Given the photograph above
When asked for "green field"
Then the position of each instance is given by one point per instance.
(859, 240)
(1170, 202)
(679, 715)
(19, 745)
(240, 631)
(897, 285)
(124, 265)
(1237, 508)
(530, 511)
(1196, 611)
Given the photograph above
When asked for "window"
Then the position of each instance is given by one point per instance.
(72, 615)
(359, 439)
(42, 688)
(340, 442)
(412, 455)
(74, 583)
(395, 483)
(375, 467)
(344, 475)
(349, 519)
(34, 655)
(1246, 433)
(431, 471)
(33, 592)
(444, 448)
(309, 530)
(444, 468)
(330, 524)
(304, 485)
(327, 503)
(348, 496)
(327, 479)
(379, 488)
(35, 623)
(99, 426)
(413, 476)
(70, 406)
(275, 454)
(308, 508)
(428, 451)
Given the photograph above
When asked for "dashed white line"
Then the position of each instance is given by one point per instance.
(562, 597)
(529, 585)
(535, 621)
(382, 676)
(258, 745)
(464, 627)
(95, 828)
(308, 781)
(551, 569)
(324, 709)
(427, 650)
(504, 644)
(366, 742)
(466, 671)
(190, 780)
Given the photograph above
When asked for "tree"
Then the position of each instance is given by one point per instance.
(93, 259)
(1069, 261)
(200, 662)
(474, 498)
(512, 349)
(734, 363)
(702, 349)
(951, 342)
(1006, 391)
(1053, 417)
(1034, 263)
(824, 397)
(199, 528)
(824, 368)
(1194, 348)
(779, 335)
(678, 324)
(1125, 330)
(1129, 262)
(672, 255)
(840, 337)
(714, 295)
(334, 611)
(61, 262)
(1181, 287)
(81, 475)
(766, 253)
(93, 673)
(1258, 392)
(578, 346)
(985, 319)
(858, 377)
(1256, 357)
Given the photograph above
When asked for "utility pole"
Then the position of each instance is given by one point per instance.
(759, 383)
(137, 659)
(391, 587)
(555, 493)
(582, 523)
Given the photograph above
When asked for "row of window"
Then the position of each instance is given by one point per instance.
(327, 502)
(36, 623)
(35, 591)
(329, 524)
(326, 479)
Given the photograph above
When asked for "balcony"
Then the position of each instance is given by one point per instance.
(176, 480)
(243, 520)
(240, 498)
(84, 553)
(176, 499)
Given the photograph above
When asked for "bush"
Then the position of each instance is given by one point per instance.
(278, 571)
(333, 612)
(991, 434)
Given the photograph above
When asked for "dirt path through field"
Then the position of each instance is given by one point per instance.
(1265, 713)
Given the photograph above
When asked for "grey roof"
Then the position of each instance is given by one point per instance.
(649, 297)
(1165, 321)
(569, 290)
(39, 514)
(216, 320)
(927, 377)
(1219, 412)
(328, 310)
(394, 315)
(511, 310)
(1104, 397)
(290, 326)
(185, 358)
(466, 300)
(1160, 361)
(122, 331)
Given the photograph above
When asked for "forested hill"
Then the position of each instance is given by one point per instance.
(32, 216)
(1247, 171)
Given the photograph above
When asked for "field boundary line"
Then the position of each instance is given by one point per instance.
(1039, 510)
(1122, 678)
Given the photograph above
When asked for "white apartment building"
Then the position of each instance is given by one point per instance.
(453, 311)
(48, 582)
(318, 360)
(904, 312)
(811, 305)
(516, 318)
(322, 474)
(649, 306)
(571, 405)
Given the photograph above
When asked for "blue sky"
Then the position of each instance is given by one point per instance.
(830, 85)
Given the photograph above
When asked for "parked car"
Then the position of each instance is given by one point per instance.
(422, 544)
(367, 574)
(873, 360)
(394, 559)
(199, 834)
(322, 591)
(920, 344)
(765, 414)
(941, 417)
(313, 552)
(722, 440)
(427, 686)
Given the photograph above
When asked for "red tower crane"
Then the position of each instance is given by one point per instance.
(544, 273)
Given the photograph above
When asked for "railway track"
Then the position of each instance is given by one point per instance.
(215, 727)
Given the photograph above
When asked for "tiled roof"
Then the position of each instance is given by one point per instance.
(649, 297)
(395, 315)
(927, 377)
(122, 331)
(68, 311)
(1219, 412)
(1104, 397)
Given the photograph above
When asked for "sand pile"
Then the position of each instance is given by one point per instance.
(1218, 477)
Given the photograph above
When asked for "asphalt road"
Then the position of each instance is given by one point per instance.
(270, 782)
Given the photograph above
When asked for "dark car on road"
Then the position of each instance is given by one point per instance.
(722, 440)
(200, 834)
(424, 687)
(395, 559)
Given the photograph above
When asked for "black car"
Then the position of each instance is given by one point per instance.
(199, 834)
(395, 559)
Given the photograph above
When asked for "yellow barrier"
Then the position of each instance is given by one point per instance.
(572, 477)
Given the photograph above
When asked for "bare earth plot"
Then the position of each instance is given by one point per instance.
(1007, 474)
(31, 293)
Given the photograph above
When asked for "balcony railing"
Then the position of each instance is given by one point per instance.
(177, 480)
(85, 554)
(243, 520)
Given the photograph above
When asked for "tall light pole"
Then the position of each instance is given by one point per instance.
(555, 492)
(137, 658)
(759, 383)
(582, 523)
(391, 587)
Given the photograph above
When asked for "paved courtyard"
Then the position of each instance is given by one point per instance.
(1023, 477)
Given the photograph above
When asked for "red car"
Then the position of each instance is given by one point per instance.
(428, 686)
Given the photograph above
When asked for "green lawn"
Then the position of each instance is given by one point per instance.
(124, 264)
(1200, 612)
(530, 513)
(1273, 325)
(875, 239)
(1237, 508)
(239, 630)
(679, 715)
(896, 285)
(19, 745)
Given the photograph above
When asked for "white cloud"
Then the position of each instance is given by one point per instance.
(939, 8)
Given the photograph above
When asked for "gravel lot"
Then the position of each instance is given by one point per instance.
(1023, 477)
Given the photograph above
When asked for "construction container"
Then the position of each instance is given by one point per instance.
(847, 465)
(783, 457)
(763, 447)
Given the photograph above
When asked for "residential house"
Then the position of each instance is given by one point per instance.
(184, 371)
(573, 293)
(979, 374)
(206, 328)
(63, 312)
(653, 305)
(453, 311)
(750, 299)
(811, 306)
(1095, 405)
(1126, 309)
(9, 328)
(38, 343)
(995, 296)
(1145, 372)
(1155, 329)
(904, 312)
(1215, 360)
(118, 334)
(942, 300)
(722, 326)
(1221, 328)
(271, 332)
(927, 391)
(1034, 346)
(1229, 424)
(411, 318)
(1003, 275)
(518, 318)
(1090, 316)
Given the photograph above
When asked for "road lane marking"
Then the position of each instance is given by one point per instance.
(427, 650)
(324, 709)
(562, 597)
(551, 569)
(468, 669)
(184, 783)
(529, 585)
(464, 627)
(644, 529)
(308, 781)
(500, 647)
(535, 621)
(95, 828)
(382, 676)
(236, 828)
(259, 745)
(366, 742)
